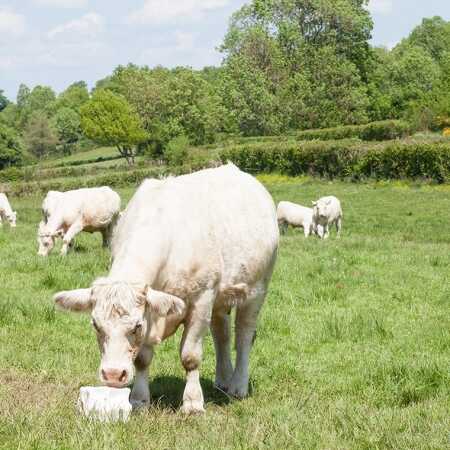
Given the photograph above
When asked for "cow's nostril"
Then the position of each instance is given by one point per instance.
(123, 376)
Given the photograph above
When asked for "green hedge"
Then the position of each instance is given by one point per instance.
(346, 159)
(374, 131)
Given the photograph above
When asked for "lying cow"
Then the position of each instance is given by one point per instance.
(186, 251)
(68, 213)
(326, 212)
(296, 216)
(6, 212)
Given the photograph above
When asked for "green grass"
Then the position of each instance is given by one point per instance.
(104, 152)
(352, 350)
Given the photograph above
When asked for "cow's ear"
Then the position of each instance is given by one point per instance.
(163, 304)
(79, 300)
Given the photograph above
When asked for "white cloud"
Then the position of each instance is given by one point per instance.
(380, 6)
(62, 3)
(158, 12)
(88, 26)
(12, 25)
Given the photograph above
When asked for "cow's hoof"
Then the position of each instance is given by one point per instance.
(192, 407)
(238, 392)
(139, 404)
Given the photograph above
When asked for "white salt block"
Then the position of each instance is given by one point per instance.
(104, 403)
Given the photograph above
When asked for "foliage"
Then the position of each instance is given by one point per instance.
(39, 137)
(345, 159)
(4, 102)
(176, 151)
(170, 102)
(109, 119)
(67, 124)
(374, 131)
(11, 151)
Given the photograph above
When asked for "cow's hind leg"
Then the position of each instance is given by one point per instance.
(220, 329)
(195, 328)
(246, 321)
(140, 395)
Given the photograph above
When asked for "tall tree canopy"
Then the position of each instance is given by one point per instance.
(110, 120)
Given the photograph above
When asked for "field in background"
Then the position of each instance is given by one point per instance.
(352, 351)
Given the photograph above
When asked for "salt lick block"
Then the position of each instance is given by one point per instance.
(104, 403)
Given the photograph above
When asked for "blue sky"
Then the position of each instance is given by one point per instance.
(57, 42)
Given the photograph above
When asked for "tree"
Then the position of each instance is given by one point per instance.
(68, 127)
(171, 103)
(3, 101)
(39, 137)
(432, 35)
(11, 151)
(23, 95)
(74, 97)
(109, 119)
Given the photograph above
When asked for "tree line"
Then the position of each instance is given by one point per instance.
(288, 65)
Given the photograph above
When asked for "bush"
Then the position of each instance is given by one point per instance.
(176, 151)
(374, 131)
(346, 159)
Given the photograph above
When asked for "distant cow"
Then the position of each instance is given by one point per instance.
(327, 211)
(6, 211)
(296, 216)
(186, 251)
(68, 213)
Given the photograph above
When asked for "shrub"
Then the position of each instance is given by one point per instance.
(176, 151)
(374, 131)
(345, 159)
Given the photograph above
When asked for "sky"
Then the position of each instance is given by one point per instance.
(57, 42)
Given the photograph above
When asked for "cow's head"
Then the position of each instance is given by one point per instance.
(124, 316)
(12, 218)
(320, 208)
(46, 239)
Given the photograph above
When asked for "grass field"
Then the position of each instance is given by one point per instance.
(352, 352)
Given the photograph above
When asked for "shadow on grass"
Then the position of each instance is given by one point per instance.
(167, 392)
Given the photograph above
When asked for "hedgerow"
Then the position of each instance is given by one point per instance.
(345, 159)
(374, 131)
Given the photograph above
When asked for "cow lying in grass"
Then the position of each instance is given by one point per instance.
(68, 213)
(296, 216)
(186, 251)
(327, 211)
(6, 212)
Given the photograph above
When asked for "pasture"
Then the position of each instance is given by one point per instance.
(352, 350)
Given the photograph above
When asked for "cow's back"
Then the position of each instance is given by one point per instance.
(213, 225)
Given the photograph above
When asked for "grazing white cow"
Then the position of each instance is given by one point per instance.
(68, 213)
(327, 211)
(296, 216)
(6, 211)
(186, 251)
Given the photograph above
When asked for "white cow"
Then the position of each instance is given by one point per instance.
(68, 213)
(6, 211)
(295, 215)
(186, 251)
(327, 211)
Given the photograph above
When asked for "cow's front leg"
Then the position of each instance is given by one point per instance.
(74, 229)
(326, 232)
(140, 394)
(196, 326)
